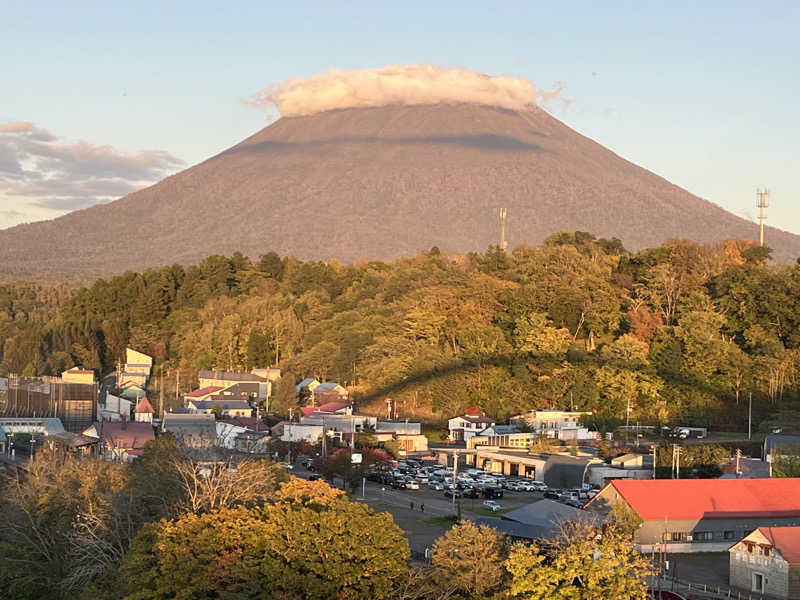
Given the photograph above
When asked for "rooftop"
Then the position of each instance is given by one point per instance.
(229, 376)
(661, 499)
(199, 393)
(786, 540)
(144, 407)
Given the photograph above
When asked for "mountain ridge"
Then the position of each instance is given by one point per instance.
(377, 183)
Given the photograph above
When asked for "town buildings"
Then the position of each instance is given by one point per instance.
(701, 515)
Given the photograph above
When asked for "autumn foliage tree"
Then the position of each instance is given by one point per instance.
(310, 542)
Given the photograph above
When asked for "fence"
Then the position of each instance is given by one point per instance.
(702, 591)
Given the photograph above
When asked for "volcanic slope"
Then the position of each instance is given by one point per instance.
(383, 182)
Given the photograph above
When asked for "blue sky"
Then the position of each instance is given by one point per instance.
(704, 94)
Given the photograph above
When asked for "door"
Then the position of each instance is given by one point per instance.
(758, 583)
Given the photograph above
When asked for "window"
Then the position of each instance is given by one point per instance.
(703, 536)
(676, 536)
(766, 550)
(729, 535)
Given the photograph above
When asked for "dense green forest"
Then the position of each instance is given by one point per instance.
(682, 332)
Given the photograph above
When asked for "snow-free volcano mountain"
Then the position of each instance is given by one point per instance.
(366, 183)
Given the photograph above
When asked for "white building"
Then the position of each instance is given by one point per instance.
(560, 424)
(470, 424)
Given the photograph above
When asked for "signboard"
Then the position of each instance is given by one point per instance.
(355, 458)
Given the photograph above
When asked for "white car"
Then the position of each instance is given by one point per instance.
(436, 485)
(412, 485)
(492, 505)
(539, 486)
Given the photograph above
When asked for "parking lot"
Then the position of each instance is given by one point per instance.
(422, 513)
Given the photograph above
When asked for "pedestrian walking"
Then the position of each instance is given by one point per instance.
(421, 508)
(412, 505)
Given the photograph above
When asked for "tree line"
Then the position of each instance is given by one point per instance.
(681, 333)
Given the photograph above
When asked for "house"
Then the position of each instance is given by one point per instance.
(502, 436)
(245, 434)
(329, 408)
(144, 411)
(78, 375)
(561, 424)
(306, 387)
(229, 408)
(192, 430)
(136, 370)
(113, 408)
(132, 392)
(225, 379)
(701, 515)
(328, 392)
(469, 424)
(203, 393)
(121, 440)
(766, 561)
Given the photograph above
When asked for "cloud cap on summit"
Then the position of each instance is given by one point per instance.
(408, 85)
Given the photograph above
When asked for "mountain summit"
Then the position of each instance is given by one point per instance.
(380, 182)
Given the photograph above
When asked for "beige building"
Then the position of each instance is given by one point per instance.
(767, 562)
(559, 424)
(78, 375)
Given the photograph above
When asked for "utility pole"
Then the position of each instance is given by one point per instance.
(655, 450)
(750, 416)
(676, 461)
(177, 383)
(762, 203)
(738, 458)
(161, 394)
(503, 242)
(455, 477)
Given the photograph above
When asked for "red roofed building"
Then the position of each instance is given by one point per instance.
(329, 408)
(202, 393)
(767, 561)
(144, 411)
(701, 515)
(121, 440)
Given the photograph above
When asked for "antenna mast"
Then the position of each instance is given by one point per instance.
(503, 242)
(762, 202)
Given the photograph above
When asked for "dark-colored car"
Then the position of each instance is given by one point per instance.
(314, 477)
(398, 484)
(449, 494)
(491, 492)
(552, 495)
(472, 493)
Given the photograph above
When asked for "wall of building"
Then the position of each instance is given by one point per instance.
(724, 533)
(773, 568)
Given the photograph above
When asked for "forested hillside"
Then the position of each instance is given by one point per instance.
(683, 332)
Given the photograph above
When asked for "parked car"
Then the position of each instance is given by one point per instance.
(314, 477)
(550, 494)
(436, 485)
(539, 486)
(493, 492)
(492, 505)
(471, 493)
(412, 485)
(450, 493)
(398, 484)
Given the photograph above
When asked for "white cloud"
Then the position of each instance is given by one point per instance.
(405, 85)
(39, 170)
